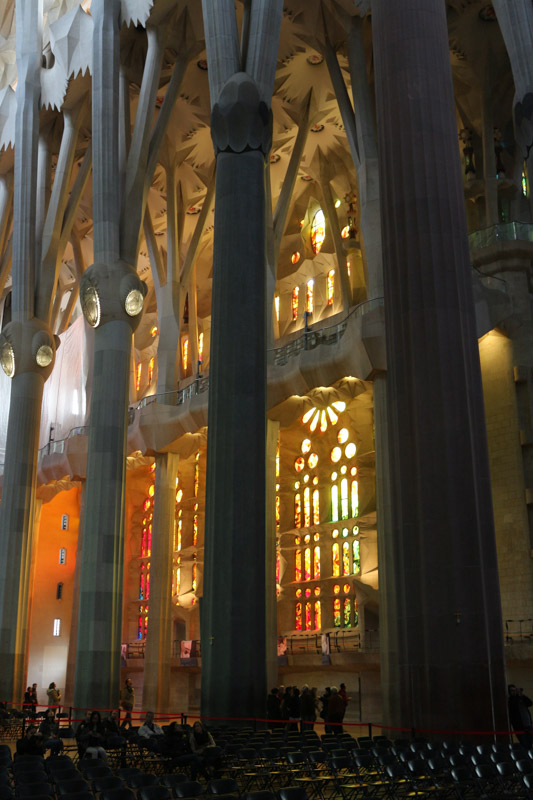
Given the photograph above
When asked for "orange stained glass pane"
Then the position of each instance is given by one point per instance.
(143, 542)
(277, 512)
(295, 257)
(194, 570)
(276, 306)
(195, 530)
(299, 464)
(355, 499)
(148, 585)
(337, 612)
(151, 490)
(316, 563)
(308, 616)
(318, 615)
(307, 507)
(346, 558)
(294, 302)
(307, 564)
(200, 347)
(298, 592)
(298, 566)
(318, 231)
(185, 353)
(147, 503)
(312, 461)
(298, 625)
(317, 590)
(306, 444)
(278, 566)
(347, 613)
(297, 510)
(330, 287)
(316, 507)
(336, 569)
(309, 296)
(151, 369)
(138, 376)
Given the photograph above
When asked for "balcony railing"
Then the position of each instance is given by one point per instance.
(506, 232)
(518, 630)
(178, 397)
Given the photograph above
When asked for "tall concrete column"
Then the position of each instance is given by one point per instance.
(272, 434)
(157, 654)
(112, 297)
(489, 158)
(445, 602)
(233, 623)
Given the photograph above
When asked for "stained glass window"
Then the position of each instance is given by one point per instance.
(195, 530)
(299, 464)
(276, 306)
(306, 445)
(355, 613)
(196, 474)
(309, 296)
(148, 581)
(194, 572)
(344, 499)
(316, 507)
(355, 499)
(307, 507)
(278, 509)
(297, 510)
(178, 534)
(185, 353)
(318, 615)
(138, 376)
(312, 461)
(346, 558)
(350, 450)
(143, 542)
(308, 616)
(337, 612)
(347, 612)
(336, 455)
(345, 533)
(141, 583)
(318, 231)
(307, 564)
(336, 589)
(356, 565)
(334, 503)
(343, 435)
(294, 302)
(316, 563)
(200, 347)
(330, 287)
(147, 503)
(149, 548)
(335, 560)
(151, 369)
(298, 566)
(278, 566)
(298, 616)
(525, 181)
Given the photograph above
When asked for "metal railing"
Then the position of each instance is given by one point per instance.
(313, 337)
(505, 232)
(177, 397)
(518, 630)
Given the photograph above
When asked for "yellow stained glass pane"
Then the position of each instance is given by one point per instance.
(276, 306)
(346, 558)
(336, 570)
(297, 511)
(316, 507)
(306, 444)
(307, 564)
(318, 231)
(343, 435)
(316, 563)
(318, 615)
(185, 353)
(331, 414)
(305, 419)
(323, 422)
(336, 455)
(307, 507)
(309, 296)
(312, 461)
(334, 504)
(294, 302)
(330, 287)
(298, 566)
(350, 450)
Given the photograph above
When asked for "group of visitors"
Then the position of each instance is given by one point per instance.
(30, 703)
(38, 739)
(288, 706)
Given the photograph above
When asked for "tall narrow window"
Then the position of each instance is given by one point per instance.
(278, 565)
(330, 287)
(194, 571)
(356, 565)
(336, 570)
(318, 615)
(151, 370)
(344, 499)
(309, 296)
(318, 231)
(278, 512)
(346, 558)
(525, 181)
(308, 616)
(276, 306)
(294, 302)
(298, 566)
(316, 565)
(297, 510)
(185, 353)
(57, 627)
(307, 564)
(355, 613)
(316, 507)
(298, 617)
(355, 499)
(334, 503)
(347, 612)
(138, 376)
(200, 347)
(141, 583)
(337, 612)
(62, 555)
(177, 580)
(307, 507)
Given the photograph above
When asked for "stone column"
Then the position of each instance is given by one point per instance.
(68, 698)
(446, 603)
(489, 157)
(158, 641)
(112, 298)
(272, 433)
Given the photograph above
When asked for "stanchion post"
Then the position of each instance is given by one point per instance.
(370, 729)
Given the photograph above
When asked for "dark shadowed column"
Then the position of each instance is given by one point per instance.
(444, 599)
(233, 605)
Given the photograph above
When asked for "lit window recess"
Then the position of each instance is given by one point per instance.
(57, 627)
(62, 555)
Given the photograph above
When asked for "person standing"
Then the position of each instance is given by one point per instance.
(274, 709)
(335, 711)
(127, 701)
(307, 709)
(345, 698)
(519, 715)
(54, 696)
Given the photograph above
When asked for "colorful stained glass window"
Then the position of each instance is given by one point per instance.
(334, 534)
(185, 353)
(337, 612)
(307, 564)
(345, 533)
(306, 445)
(316, 507)
(308, 624)
(276, 306)
(334, 503)
(298, 566)
(143, 541)
(347, 612)
(151, 370)
(525, 181)
(307, 538)
(312, 461)
(356, 557)
(318, 231)
(317, 590)
(149, 541)
(297, 510)
(278, 566)
(343, 435)
(148, 581)
(200, 347)
(195, 530)
(177, 580)
(344, 499)
(309, 296)
(330, 287)
(308, 592)
(307, 507)
(298, 592)
(299, 464)
(178, 535)
(355, 499)
(194, 573)
(335, 558)
(350, 450)
(346, 558)
(298, 625)
(336, 589)
(294, 302)
(138, 376)
(346, 588)
(316, 563)
(147, 503)
(141, 583)
(278, 511)
(151, 490)
(336, 455)
(196, 474)
(355, 613)
(318, 615)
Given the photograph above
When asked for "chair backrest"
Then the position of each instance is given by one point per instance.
(141, 779)
(71, 774)
(172, 779)
(506, 768)
(31, 789)
(223, 786)
(118, 794)
(107, 782)
(69, 787)
(31, 776)
(97, 771)
(153, 793)
(292, 793)
(185, 789)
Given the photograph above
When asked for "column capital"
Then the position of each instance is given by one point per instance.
(241, 121)
(28, 346)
